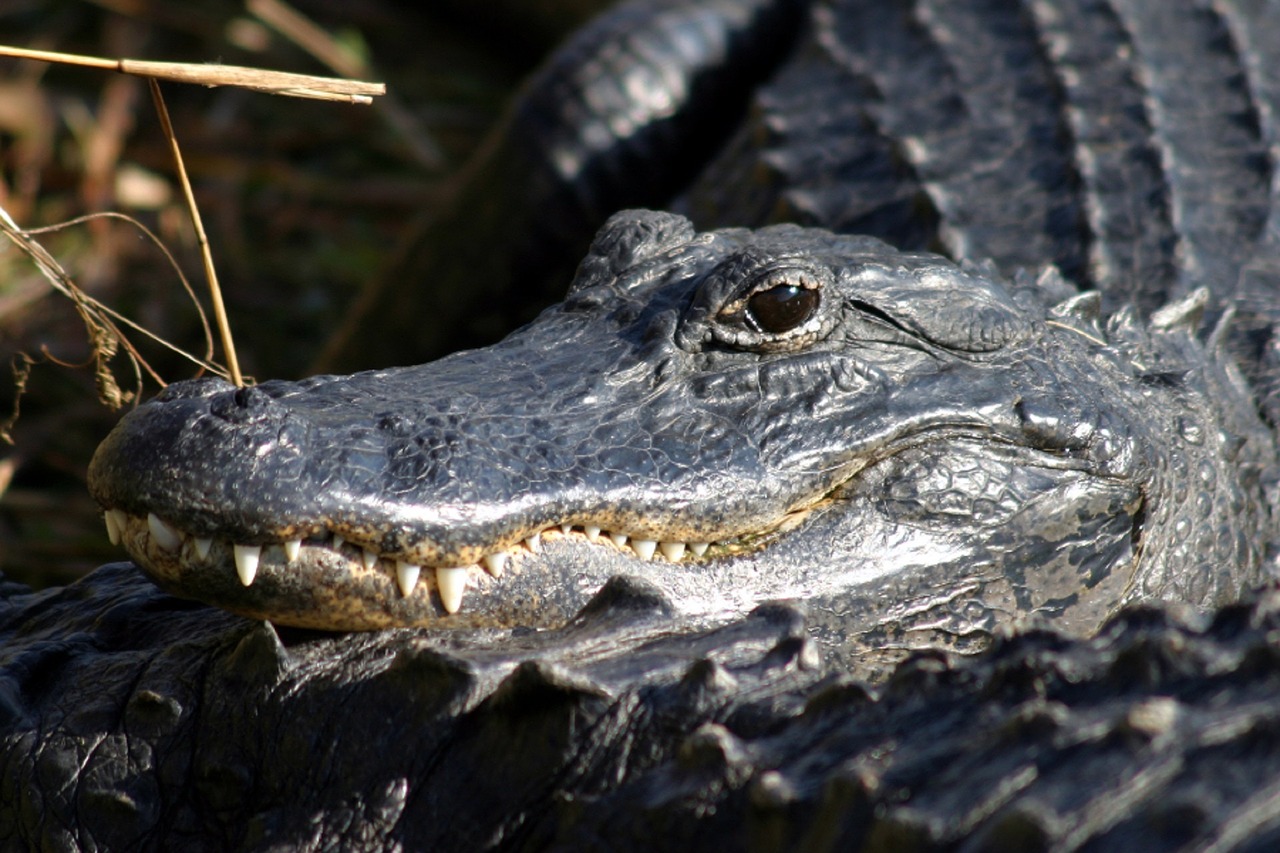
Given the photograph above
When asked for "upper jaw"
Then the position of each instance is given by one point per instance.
(174, 477)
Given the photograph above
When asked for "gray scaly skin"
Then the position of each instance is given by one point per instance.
(132, 720)
(1130, 144)
(914, 446)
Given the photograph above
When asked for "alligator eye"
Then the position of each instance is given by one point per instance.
(782, 308)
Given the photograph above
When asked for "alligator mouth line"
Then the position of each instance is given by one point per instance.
(151, 540)
(139, 534)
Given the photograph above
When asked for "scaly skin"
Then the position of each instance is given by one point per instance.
(1129, 143)
(132, 720)
(917, 433)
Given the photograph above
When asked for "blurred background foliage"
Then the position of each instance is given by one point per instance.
(302, 200)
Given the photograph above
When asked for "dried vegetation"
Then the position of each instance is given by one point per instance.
(301, 201)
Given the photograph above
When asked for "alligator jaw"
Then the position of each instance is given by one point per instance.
(355, 588)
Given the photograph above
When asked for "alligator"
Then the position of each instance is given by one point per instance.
(134, 720)
(1049, 402)
(737, 416)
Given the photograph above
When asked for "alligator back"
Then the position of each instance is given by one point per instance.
(1032, 133)
(1130, 143)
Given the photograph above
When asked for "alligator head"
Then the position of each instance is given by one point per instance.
(737, 416)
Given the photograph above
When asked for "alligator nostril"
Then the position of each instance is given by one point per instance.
(242, 405)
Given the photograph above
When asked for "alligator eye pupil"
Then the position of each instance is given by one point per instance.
(782, 308)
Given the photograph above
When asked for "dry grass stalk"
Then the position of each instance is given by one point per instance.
(271, 82)
(323, 47)
(103, 325)
(211, 275)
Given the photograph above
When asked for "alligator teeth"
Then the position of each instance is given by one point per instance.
(619, 539)
(495, 564)
(452, 583)
(115, 520)
(534, 543)
(122, 521)
(291, 549)
(369, 558)
(407, 576)
(593, 532)
(202, 545)
(673, 551)
(338, 541)
(566, 529)
(699, 548)
(247, 562)
(164, 535)
(644, 548)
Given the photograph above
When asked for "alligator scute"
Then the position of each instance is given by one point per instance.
(1080, 550)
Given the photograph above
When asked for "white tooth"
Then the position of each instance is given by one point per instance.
(202, 545)
(122, 520)
(369, 559)
(291, 549)
(113, 526)
(452, 583)
(338, 541)
(495, 564)
(407, 576)
(566, 529)
(164, 535)
(247, 562)
(593, 532)
(644, 548)
(699, 548)
(534, 542)
(619, 539)
(673, 551)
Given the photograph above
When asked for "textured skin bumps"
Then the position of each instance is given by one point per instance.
(920, 432)
(133, 720)
(1128, 143)
(1011, 132)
